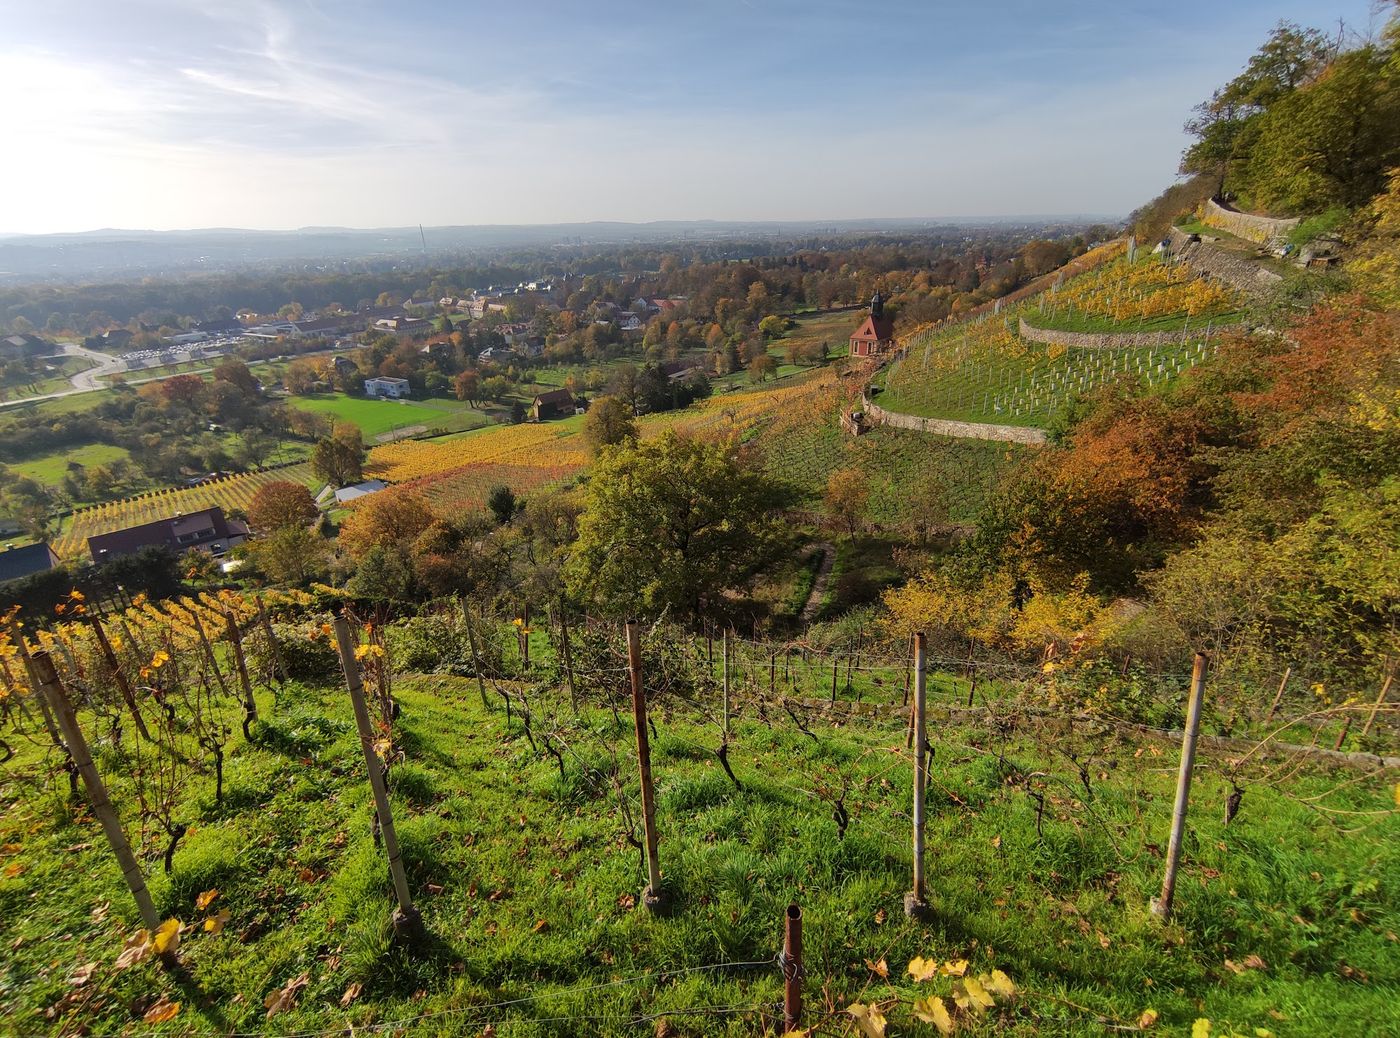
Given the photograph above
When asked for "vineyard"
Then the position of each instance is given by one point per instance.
(500, 885)
(228, 492)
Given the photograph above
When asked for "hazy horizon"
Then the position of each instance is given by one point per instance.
(274, 115)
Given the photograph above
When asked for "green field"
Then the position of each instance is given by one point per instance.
(528, 887)
(377, 417)
(51, 468)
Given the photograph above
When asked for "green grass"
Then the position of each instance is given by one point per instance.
(525, 881)
(377, 417)
(51, 468)
(1075, 321)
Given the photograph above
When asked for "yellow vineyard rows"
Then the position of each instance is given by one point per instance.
(1142, 290)
(229, 492)
(547, 445)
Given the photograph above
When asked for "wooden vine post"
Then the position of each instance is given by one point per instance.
(250, 705)
(568, 656)
(476, 656)
(119, 676)
(17, 636)
(273, 648)
(1375, 707)
(654, 896)
(1162, 906)
(52, 690)
(724, 664)
(406, 920)
(1278, 696)
(916, 902)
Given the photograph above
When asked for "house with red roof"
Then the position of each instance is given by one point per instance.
(876, 335)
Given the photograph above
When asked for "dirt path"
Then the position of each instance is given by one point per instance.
(819, 582)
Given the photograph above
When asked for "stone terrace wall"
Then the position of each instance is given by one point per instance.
(1100, 340)
(960, 430)
(1230, 267)
(1261, 229)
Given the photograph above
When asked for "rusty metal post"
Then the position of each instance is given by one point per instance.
(653, 896)
(792, 969)
(1162, 906)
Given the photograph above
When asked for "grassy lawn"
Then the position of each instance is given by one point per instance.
(51, 468)
(376, 417)
(528, 888)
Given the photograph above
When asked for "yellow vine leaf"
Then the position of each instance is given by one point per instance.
(205, 899)
(1148, 1018)
(999, 984)
(167, 938)
(163, 1010)
(216, 922)
(1201, 1028)
(933, 1011)
(969, 994)
(921, 968)
(953, 968)
(868, 1018)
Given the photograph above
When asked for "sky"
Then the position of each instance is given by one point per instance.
(163, 114)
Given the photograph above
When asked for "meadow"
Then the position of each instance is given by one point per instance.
(377, 418)
(1045, 836)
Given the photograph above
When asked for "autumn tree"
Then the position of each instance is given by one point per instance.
(672, 522)
(608, 421)
(390, 517)
(762, 368)
(281, 503)
(339, 458)
(236, 373)
(847, 495)
(467, 385)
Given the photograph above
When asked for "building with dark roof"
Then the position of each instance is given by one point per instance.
(551, 404)
(26, 561)
(207, 530)
(876, 335)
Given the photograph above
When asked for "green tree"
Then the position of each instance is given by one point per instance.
(671, 523)
(290, 555)
(502, 504)
(339, 459)
(609, 421)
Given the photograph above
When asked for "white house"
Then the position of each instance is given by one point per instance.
(394, 388)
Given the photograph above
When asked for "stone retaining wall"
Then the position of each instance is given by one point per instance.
(961, 430)
(1261, 229)
(1233, 269)
(1101, 340)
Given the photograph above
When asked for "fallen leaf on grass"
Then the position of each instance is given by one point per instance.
(136, 948)
(627, 901)
(999, 983)
(205, 899)
(922, 969)
(216, 922)
(880, 917)
(933, 1011)
(14, 869)
(100, 912)
(351, 993)
(82, 974)
(880, 969)
(166, 940)
(969, 994)
(163, 1010)
(284, 999)
(996, 841)
(1148, 1018)
(541, 925)
(868, 1018)
(1254, 962)
(953, 968)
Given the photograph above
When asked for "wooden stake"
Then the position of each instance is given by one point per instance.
(792, 969)
(119, 676)
(102, 807)
(406, 918)
(724, 660)
(17, 636)
(272, 646)
(653, 896)
(1162, 906)
(568, 656)
(835, 666)
(525, 639)
(1278, 696)
(915, 902)
(476, 656)
(1371, 719)
(250, 705)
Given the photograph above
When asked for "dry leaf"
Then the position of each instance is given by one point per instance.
(163, 1010)
(136, 948)
(1233, 967)
(868, 1018)
(880, 969)
(922, 969)
(351, 993)
(1254, 962)
(933, 1011)
(880, 917)
(100, 912)
(1148, 1018)
(996, 840)
(969, 994)
(541, 925)
(205, 899)
(82, 974)
(953, 968)
(284, 999)
(306, 876)
(216, 922)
